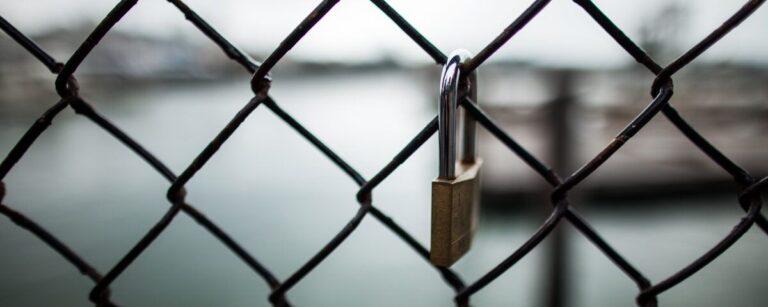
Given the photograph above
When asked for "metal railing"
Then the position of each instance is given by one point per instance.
(661, 91)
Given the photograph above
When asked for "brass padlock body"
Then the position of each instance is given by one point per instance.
(455, 206)
(456, 191)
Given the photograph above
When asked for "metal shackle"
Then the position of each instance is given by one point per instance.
(450, 92)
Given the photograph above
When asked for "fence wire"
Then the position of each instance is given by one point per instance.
(661, 90)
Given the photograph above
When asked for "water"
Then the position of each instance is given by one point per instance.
(282, 200)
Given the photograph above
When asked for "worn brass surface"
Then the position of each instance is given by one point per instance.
(455, 205)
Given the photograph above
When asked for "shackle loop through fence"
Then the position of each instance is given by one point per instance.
(455, 86)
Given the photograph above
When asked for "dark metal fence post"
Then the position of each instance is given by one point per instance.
(561, 150)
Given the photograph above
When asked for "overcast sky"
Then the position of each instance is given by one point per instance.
(355, 30)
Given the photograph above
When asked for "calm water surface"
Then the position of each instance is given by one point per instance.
(283, 200)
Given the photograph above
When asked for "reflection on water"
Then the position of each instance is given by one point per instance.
(282, 200)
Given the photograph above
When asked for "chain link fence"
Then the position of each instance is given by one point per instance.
(661, 90)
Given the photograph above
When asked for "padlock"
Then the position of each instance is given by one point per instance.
(456, 191)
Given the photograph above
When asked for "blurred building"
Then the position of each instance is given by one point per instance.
(726, 103)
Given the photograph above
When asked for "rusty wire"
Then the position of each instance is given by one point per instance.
(66, 86)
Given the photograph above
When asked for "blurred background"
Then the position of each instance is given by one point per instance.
(562, 87)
